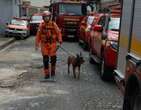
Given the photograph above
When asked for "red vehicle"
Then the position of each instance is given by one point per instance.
(128, 71)
(18, 28)
(85, 27)
(68, 15)
(36, 19)
(103, 44)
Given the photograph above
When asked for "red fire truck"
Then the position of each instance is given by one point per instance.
(68, 14)
(128, 71)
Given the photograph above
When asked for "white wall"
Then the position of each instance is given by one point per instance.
(8, 9)
(40, 3)
(15, 4)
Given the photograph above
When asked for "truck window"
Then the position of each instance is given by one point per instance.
(114, 24)
(71, 9)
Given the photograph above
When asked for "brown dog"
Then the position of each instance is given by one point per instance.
(76, 63)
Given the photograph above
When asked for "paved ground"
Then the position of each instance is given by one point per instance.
(25, 91)
(4, 41)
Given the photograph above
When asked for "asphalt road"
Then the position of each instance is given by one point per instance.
(67, 93)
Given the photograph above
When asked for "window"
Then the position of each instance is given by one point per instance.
(19, 22)
(71, 9)
(114, 24)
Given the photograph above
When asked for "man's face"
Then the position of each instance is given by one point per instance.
(46, 18)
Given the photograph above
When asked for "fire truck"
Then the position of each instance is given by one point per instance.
(68, 14)
(128, 71)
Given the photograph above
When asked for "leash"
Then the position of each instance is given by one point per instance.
(65, 50)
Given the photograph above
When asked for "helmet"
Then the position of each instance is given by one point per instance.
(46, 13)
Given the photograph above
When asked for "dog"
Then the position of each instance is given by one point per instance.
(76, 62)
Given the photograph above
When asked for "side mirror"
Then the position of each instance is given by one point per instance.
(98, 28)
(83, 23)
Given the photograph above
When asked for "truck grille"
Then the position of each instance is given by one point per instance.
(68, 25)
(15, 29)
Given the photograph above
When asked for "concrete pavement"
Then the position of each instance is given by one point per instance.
(6, 73)
(4, 41)
(88, 93)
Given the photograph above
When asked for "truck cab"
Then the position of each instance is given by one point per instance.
(85, 29)
(68, 14)
(104, 42)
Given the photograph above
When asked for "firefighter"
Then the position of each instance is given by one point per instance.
(48, 36)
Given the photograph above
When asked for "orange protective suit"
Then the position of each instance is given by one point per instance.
(47, 37)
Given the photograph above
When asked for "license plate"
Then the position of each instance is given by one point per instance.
(70, 36)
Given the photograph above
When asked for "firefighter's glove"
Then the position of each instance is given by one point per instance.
(58, 46)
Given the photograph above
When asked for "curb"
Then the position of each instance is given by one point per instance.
(6, 43)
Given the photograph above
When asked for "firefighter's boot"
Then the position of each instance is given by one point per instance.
(46, 73)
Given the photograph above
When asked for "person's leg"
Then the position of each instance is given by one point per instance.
(46, 66)
(53, 65)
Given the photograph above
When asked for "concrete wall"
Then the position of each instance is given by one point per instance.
(8, 9)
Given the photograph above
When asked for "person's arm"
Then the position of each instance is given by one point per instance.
(58, 32)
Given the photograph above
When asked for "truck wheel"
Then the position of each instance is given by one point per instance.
(103, 71)
(22, 37)
(90, 58)
(132, 102)
(132, 98)
(137, 105)
(17, 38)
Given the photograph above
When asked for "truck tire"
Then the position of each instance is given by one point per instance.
(137, 104)
(103, 71)
(22, 37)
(91, 61)
(17, 37)
(132, 98)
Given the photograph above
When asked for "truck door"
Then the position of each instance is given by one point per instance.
(125, 32)
(134, 56)
(98, 37)
(136, 31)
